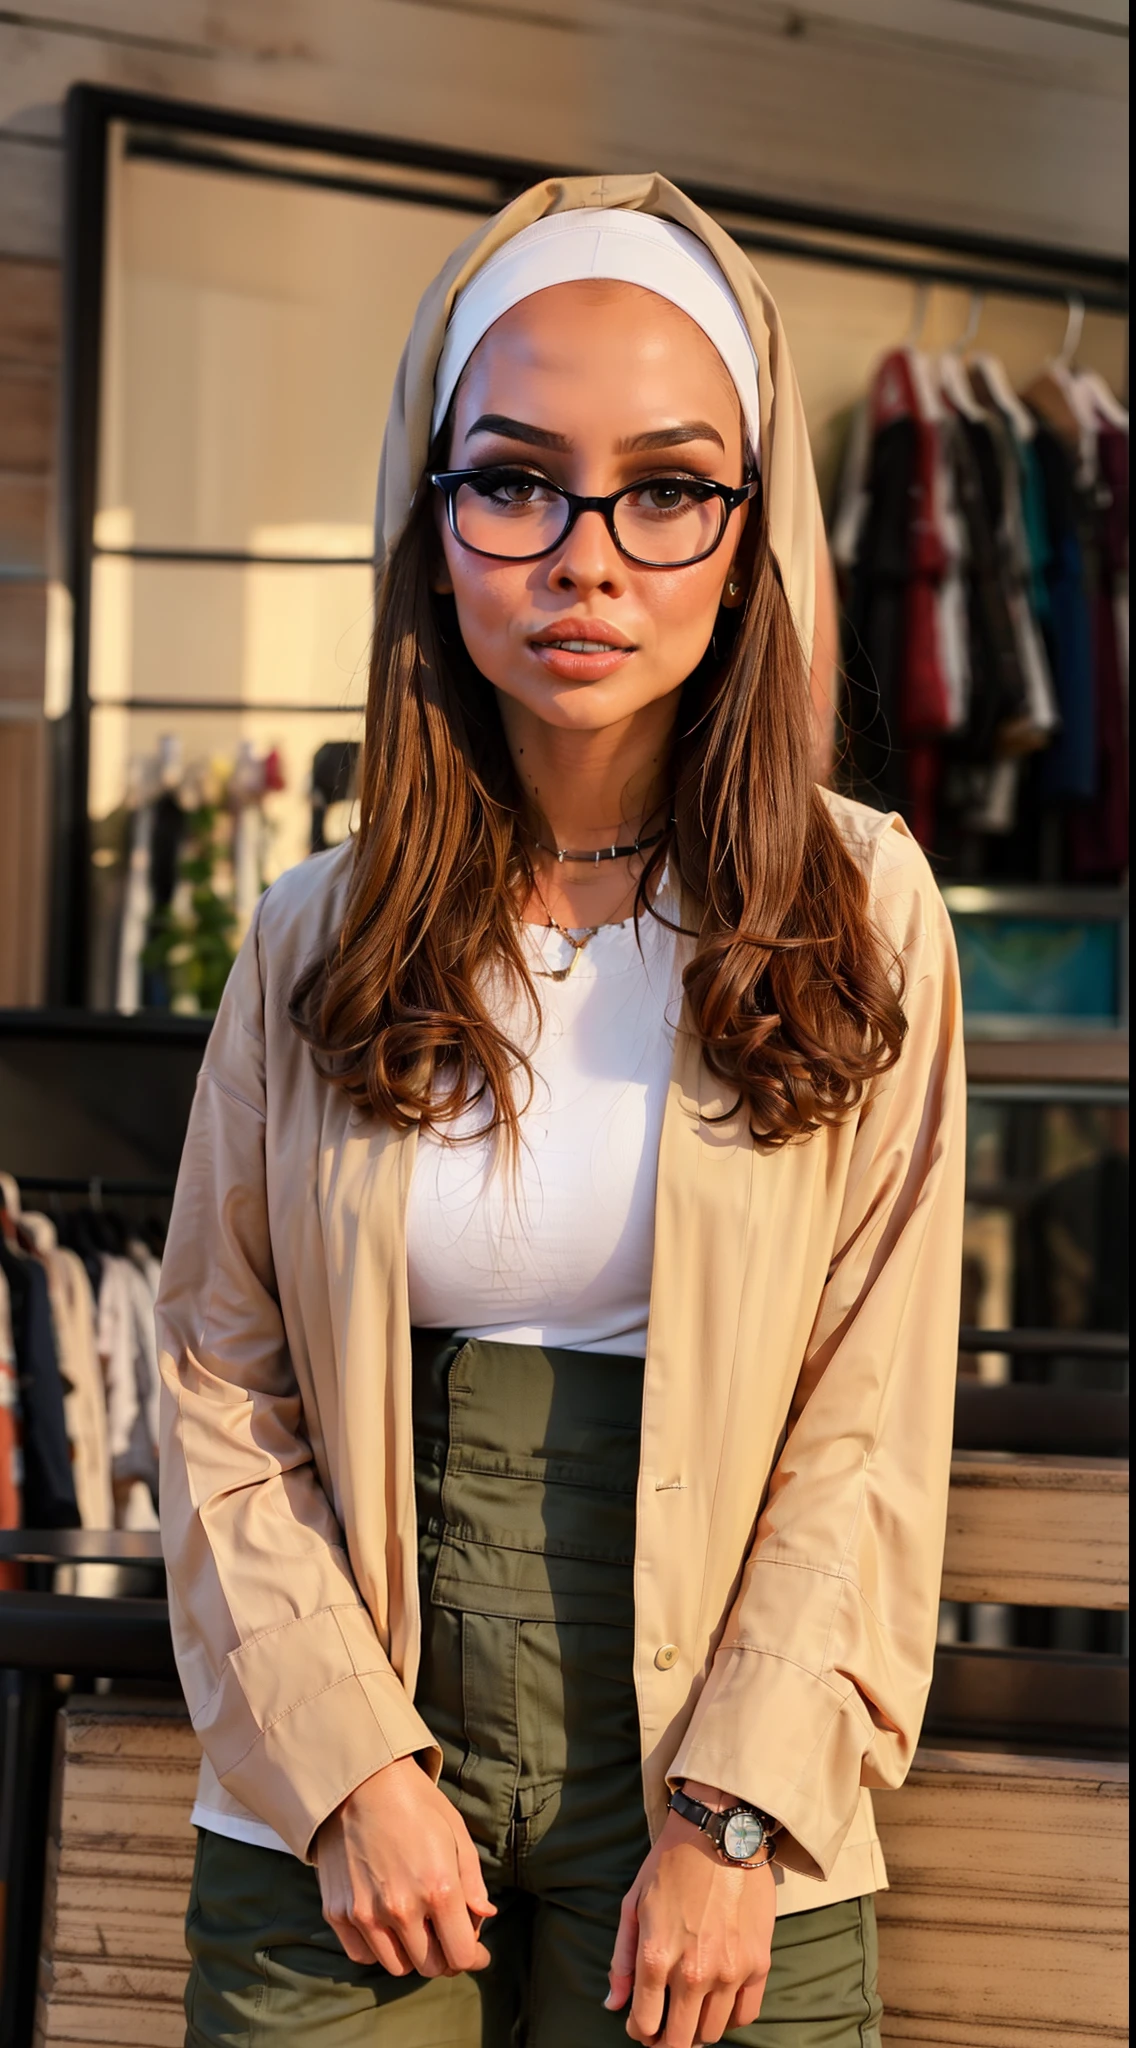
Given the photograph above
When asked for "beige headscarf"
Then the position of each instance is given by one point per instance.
(791, 502)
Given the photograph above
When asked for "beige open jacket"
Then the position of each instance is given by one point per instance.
(796, 1417)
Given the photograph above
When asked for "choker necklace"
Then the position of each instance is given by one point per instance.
(639, 845)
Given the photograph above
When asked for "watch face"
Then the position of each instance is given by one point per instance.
(743, 1836)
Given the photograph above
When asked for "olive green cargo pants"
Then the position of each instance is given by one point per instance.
(526, 1463)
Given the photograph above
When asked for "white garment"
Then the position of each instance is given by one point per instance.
(561, 1253)
(612, 243)
(129, 1353)
(561, 1256)
(84, 1399)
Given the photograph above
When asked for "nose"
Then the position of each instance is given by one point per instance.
(588, 560)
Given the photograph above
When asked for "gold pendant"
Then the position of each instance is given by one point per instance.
(557, 973)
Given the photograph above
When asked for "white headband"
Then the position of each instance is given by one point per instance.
(617, 243)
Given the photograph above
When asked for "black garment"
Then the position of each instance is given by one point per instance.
(876, 623)
(165, 849)
(335, 774)
(997, 705)
(49, 1485)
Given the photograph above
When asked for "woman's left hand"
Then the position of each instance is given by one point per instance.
(694, 1940)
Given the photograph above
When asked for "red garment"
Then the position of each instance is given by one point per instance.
(925, 701)
(11, 1496)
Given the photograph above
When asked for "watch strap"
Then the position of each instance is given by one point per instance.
(692, 1810)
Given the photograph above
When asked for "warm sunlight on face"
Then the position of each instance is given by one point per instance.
(617, 386)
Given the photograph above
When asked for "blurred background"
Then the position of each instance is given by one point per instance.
(216, 218)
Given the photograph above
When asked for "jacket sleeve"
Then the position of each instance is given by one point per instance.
(821, 1677)
(290, 1690)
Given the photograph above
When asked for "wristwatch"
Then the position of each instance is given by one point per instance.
(739, 1833)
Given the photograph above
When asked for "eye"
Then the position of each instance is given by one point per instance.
(664, 497)
(512, 489)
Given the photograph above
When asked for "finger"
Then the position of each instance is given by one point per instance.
(747, 2004)
(354, 1944)
(472, 1877)
(650, 1990)
(454, 1930)
(621, 1975)
(717, 2014)
(684, 2011)
(437, 1962)
(413, 1934)
(389, 1952)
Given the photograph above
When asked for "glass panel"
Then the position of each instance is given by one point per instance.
(192, 815)
(253, 327)
(241, 633)
(1054, 970)
(1046, 1236)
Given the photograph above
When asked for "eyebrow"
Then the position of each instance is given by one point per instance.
(635, 444)
(519, 430)
(672, 437)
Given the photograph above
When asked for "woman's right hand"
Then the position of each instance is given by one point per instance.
(400, 1878)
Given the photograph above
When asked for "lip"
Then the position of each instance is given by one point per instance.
(612, 650)
(583, 629)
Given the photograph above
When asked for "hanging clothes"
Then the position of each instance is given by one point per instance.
(982, 551)
(1098, 830)
(1069, 768)
(11, 1458)
(896, 561)
(84, 1400)
(128, 1352)
(49, 1500)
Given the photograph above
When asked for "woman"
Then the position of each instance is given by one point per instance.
(559, 1313)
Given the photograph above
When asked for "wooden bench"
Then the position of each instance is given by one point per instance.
(119, 1864)
(1037, 1532)
(1006, 1922)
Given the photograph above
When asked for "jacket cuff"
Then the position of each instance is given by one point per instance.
(354, 1717)
(791, 1743)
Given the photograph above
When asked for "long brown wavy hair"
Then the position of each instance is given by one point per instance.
(795, 1001)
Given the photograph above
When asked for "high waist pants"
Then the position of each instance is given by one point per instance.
(526, 1463)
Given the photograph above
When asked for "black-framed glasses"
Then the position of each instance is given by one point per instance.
(514, 515)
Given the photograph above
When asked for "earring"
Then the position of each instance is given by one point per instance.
(733, 587)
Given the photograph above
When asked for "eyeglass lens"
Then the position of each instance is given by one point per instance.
(664, 521)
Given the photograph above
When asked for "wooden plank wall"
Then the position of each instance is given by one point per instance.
(922, 109)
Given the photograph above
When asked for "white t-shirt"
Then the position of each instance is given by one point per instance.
(559, 1251)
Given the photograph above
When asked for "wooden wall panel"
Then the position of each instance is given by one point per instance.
(23, 649)
(1038, 1532)
(31, 193)
(1020, 129)
(1006, 1922)
(29, 313)
(27, 417)
(23, 871)
(24, 499)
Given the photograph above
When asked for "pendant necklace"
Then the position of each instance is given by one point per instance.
(587, 934)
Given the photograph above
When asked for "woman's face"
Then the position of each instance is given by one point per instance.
(594, 386)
